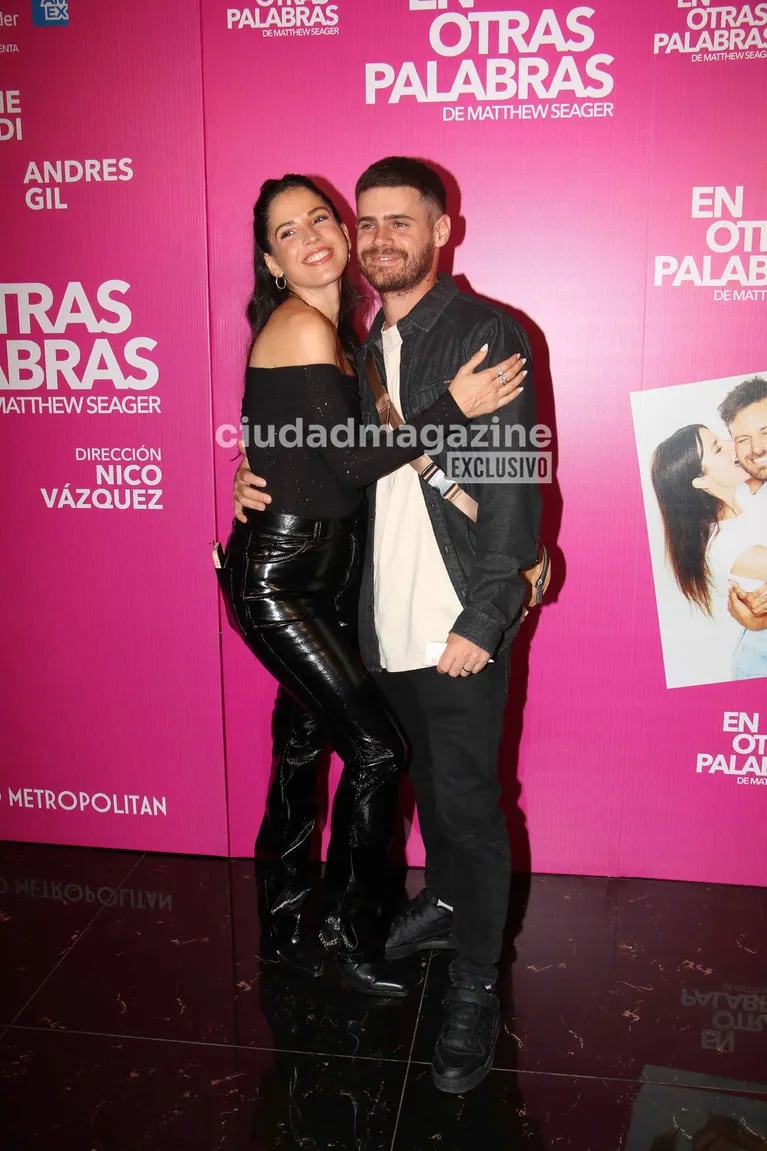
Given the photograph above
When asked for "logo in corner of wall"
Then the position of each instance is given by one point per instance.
(745, 761)
(734, 263)
(274, 19)
(49, 13)
(707, 32)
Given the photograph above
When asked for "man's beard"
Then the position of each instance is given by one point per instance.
(757, 471)
(403, 275)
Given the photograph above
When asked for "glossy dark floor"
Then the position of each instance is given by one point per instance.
(138, 1015)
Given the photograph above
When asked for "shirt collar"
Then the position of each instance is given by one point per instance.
(425, 313)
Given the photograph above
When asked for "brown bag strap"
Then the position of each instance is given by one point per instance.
(430, 473)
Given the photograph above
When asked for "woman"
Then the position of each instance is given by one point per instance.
(290, 574)
(711, 531)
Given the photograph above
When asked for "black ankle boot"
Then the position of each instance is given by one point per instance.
(372, 978)
(286, 939)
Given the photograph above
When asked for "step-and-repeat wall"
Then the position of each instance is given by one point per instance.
(605, 171)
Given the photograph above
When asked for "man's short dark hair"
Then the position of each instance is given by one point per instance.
(742, 396)
(404, 172)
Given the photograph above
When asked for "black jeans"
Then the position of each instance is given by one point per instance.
(454, 728)
(290, 585)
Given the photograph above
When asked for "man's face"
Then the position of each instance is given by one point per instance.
(398, 235)
(749, 431)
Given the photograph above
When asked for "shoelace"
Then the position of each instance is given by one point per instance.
(460, 1032)
(463, 1023)
(416, 905)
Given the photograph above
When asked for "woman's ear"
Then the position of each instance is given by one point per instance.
(701, 483)
(272, 265)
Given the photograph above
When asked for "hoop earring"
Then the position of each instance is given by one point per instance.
(280, 286)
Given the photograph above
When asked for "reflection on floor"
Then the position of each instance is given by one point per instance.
(138, 1015)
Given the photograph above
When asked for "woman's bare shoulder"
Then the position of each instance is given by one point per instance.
(295, 334)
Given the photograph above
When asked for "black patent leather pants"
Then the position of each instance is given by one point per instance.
(290, 585)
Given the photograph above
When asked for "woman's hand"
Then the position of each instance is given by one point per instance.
(482, 393)
(749, 609)
(756, 599)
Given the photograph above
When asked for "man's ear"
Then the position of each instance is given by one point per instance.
(441, 231)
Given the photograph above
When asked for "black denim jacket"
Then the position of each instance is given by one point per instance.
(484, 559)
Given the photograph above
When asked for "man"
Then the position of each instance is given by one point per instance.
(435, 582)
(744, 410)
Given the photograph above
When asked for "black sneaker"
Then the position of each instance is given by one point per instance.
(420, 926)
(465, 1048)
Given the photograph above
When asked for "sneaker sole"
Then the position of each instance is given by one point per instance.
(412, 948)
(450, 1086)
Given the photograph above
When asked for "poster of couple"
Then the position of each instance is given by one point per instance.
(702, 450)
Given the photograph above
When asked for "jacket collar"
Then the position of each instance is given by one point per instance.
(425, 313)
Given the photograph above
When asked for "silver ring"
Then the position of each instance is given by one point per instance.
(466, 669)
(502, 379)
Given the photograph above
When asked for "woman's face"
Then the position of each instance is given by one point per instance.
(308, 247)
(719, 466)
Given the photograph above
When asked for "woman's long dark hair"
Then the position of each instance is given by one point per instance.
(689, 514)
(266, 295)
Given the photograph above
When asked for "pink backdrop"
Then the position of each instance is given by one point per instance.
(572, 139)
(110, 620)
